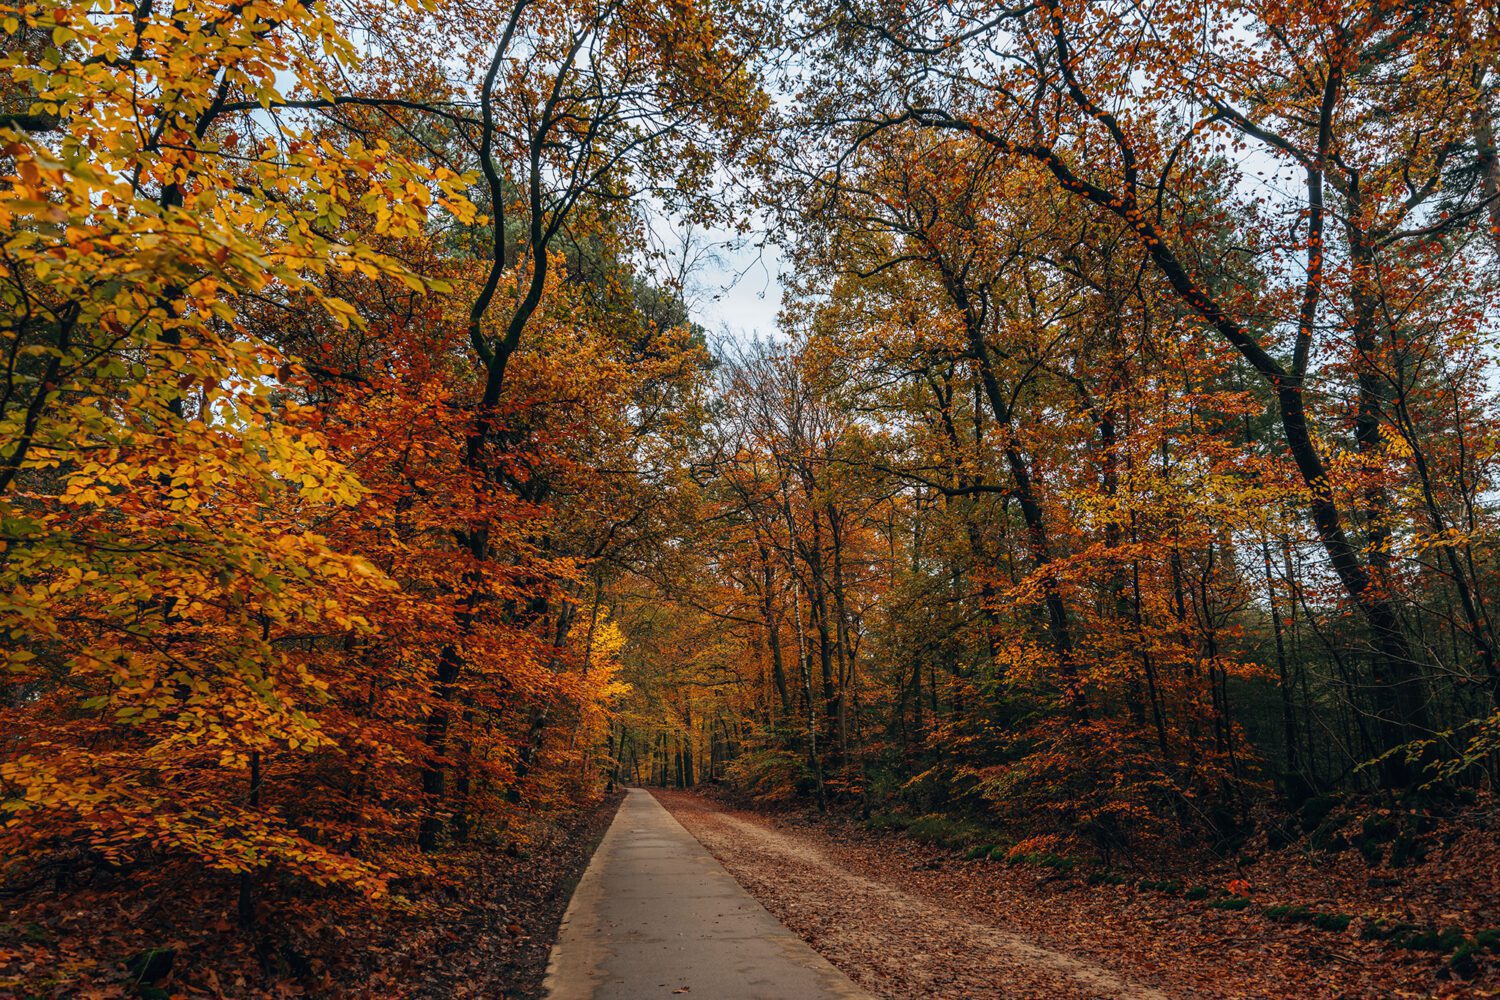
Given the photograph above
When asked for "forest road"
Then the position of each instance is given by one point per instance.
(888, 938)
(655, 915)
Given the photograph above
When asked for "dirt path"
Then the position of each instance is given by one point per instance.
(906, 919)
(888, 940)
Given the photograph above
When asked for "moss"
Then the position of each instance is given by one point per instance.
(1407, 851)
(1335, 923)
(1171, 888)
(1447, 939)
(1286, 913)
(1196, 892)
(150, 967)
(932, 828)
(37, 933)
(1488, 938)
(1315, 810)
(1231, 903)
(1278, 837)
(1452, 938)
(1379, 930)
(1328, 837)
(1106, 878)
(1001, 851)
(980, 852)
(1054, 861)
(1378, 829)
(1462, 962)
(31, 932)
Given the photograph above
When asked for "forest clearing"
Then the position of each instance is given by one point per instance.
(902, 498)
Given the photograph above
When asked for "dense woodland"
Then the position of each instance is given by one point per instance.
(1122, 478)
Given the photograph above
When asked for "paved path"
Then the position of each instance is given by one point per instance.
(655, 915)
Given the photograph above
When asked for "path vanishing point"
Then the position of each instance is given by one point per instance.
(655, 916)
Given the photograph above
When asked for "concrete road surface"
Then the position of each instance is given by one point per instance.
(656, 916)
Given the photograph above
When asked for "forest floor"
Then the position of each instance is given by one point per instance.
(908, 919)
(482, 925)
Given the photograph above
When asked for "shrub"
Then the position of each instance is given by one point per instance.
(888, 821)
(1371, 850)
(935, 828)
(769, 776)
(1047, 772)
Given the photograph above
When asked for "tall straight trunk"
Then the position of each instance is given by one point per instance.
(1038, 545)
(461, 825)
(1148, 663)
(916, 697)
(614, 757)
(687, 747)
(818, 596)
(804, 658)
(1219, 695)
(245, 903)
(435, 739)
(713, 755)
(773, 627)
(943, 394)
(841, 631)
(1189, 646)
(1106, 422)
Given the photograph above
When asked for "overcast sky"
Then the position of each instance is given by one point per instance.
(738, 292)
(732, 283)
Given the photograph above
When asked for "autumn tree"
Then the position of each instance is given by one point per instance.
(311, 466)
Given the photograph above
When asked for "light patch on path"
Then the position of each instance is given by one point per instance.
(887, 940)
